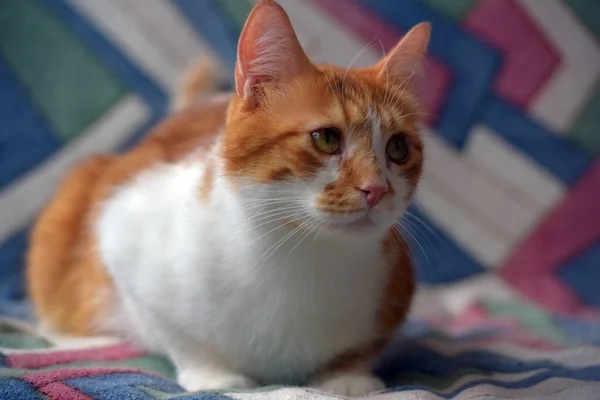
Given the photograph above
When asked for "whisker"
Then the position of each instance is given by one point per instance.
(280, 243)
(314, 224)
(408, 231)
(288, 214)
(360, 52)
(277, 227)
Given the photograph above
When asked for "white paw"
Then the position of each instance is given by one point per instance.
(350, 384)
(194, 380)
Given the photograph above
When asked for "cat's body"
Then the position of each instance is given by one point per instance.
(276, 319)
(233, 244)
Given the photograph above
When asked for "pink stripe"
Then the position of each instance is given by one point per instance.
(60, 391)
(522, 339)
(45, 378)
(372, 30)
(570, 229)
(474, 317)
(41, 360)
(529, 60)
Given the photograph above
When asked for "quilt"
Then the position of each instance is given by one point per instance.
(494, 350)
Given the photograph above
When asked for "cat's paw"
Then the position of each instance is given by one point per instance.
(194, 380)
(349, 384)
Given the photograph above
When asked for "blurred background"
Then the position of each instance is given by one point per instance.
(510, 200)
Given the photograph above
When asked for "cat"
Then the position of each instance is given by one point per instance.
(249, 238)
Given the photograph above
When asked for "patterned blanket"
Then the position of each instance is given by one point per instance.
(496, 349)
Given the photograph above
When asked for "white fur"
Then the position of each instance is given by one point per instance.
(194, 282)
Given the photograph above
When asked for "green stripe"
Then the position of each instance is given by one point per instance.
(153, 364)
(453, 9)
(534, 319)
(20, 341)
(586, 130)
(68, 82)
(588, 11)
(236, 11)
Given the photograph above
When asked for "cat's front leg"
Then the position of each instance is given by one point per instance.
(352, 383)
(350, 375)
(207, 377)
(207, 371)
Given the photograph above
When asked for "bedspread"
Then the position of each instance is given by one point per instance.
(495, 349)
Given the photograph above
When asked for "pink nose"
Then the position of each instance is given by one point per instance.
(373, 193)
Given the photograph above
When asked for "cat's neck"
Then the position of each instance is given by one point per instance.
(260, 222)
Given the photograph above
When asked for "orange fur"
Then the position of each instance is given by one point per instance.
(68, 285)
(199, 79)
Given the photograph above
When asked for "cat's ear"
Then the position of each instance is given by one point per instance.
(268, 50)
(403, 63)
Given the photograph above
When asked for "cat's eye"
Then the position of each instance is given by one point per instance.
(327, 140)
(397, 148)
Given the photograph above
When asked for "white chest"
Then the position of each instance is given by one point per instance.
(190, 276)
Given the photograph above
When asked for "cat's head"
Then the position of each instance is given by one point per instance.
(319, 144)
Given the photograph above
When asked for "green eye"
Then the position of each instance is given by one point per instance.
(397, 148)
(327, 140)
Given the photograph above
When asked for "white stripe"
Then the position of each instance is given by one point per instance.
(487, 197)
(550, 389)
(155, 35)
(496, 376)
(563, 97)
(325, 40)
(20, 202)
(447, 213)
(578, 357)
(540, 190)
(455, 193)
(456, 297)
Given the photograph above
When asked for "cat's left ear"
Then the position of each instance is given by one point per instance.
(268, 51)
(404, 62)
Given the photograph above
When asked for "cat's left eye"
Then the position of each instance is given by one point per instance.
(397, 148)
(327, 140)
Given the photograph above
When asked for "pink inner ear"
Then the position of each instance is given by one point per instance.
(268, 50)
(405, 59)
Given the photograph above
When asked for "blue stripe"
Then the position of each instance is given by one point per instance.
(582, 273)
(412, 356)
(132, 76)
(436, 255)
(585, 374)
(122, 385)
(473, 64)
(13, 388)
(209, 21)
(26, 138)
(554, 153)
(586, 330)
(12, 275)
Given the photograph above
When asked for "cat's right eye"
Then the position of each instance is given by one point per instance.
(327, 140)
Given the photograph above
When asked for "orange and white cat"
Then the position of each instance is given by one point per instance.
(250, 239)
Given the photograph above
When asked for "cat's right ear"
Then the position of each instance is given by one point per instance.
(268, 51)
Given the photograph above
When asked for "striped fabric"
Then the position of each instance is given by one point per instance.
(512, 96)
(494, 350)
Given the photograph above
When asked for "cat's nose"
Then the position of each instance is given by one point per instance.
(373, 193)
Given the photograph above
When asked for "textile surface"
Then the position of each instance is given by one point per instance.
(493, 350)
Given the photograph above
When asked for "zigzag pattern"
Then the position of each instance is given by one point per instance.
(513, 89)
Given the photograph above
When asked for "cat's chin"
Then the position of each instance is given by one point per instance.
(357, 228)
